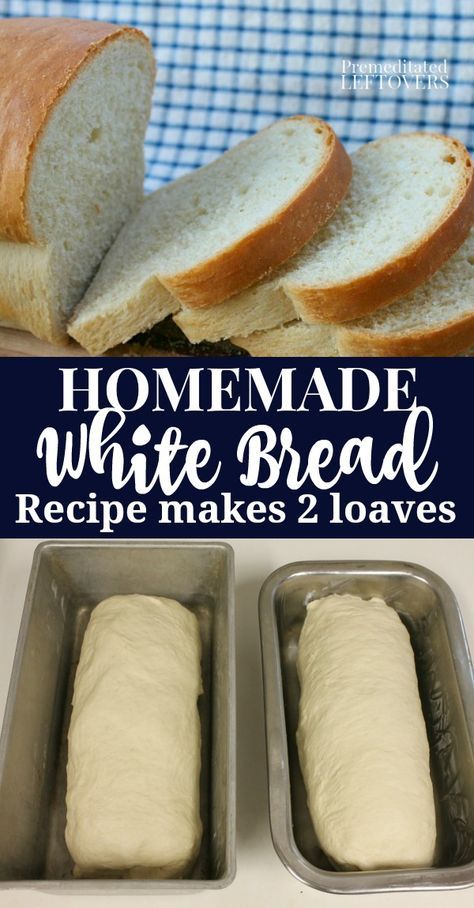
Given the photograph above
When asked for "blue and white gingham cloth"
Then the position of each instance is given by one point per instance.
(226, 68)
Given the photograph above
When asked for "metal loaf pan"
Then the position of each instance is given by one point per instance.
(429, 610)
(67, 580)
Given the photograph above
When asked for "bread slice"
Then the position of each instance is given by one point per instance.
(437, 319)
(409, 207)
(256, 309)
(294, 339)
(75, 100)
(217, 230)
(298, 339)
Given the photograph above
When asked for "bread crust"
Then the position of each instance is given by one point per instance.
(40, 57)
(273, 242)
(443, 340)
(371, 291)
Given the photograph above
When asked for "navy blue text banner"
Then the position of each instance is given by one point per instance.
(198, 447)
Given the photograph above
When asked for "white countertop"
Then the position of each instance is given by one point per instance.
(261, 878)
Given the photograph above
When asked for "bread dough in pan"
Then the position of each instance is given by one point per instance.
(134, 741)
(362, 738)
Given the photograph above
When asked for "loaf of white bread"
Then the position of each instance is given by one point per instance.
(75, 99)
(409, 208)
(263, 246)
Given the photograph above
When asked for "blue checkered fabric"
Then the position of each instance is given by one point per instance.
(229, 67)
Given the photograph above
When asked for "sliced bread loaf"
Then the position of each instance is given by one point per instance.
(217, 230)
(409, 207)
(75, 100)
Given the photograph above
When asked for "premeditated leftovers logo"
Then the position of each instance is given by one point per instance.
(365, 75)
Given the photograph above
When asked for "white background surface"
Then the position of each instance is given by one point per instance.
(261, 879)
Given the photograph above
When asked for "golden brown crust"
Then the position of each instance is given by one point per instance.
(273, 242)
(442, 340)
(39, 58)
(343, 302)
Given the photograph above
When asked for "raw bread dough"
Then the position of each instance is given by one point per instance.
(362, 738)
(134, 741)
